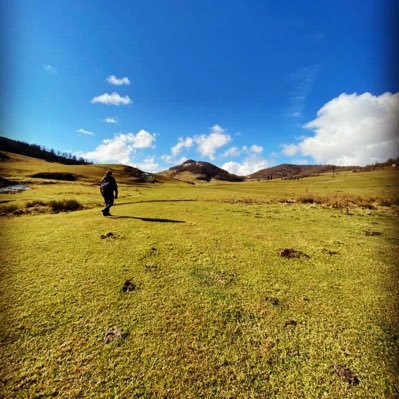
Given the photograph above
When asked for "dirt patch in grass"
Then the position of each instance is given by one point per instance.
(346, 375)
(329, 251)
(272, 300)
(112, 335)
(292, 253)
(372, 233)
(129, 286)
(290, 323)
(56, 176)
(108, 235)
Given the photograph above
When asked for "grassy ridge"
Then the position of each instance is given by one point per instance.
(205, 262)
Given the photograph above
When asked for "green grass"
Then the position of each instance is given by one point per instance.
(204, 260)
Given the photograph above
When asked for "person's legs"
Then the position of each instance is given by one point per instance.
(109, 201)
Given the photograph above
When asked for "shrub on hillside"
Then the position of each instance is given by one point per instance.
(56, 176)
(65, 205)
(8, 210)
(34, 203)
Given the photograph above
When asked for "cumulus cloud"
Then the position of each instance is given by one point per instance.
(257, 149)
(209, 144)
(121, 147)
(236, 152)
(49, 68)
(112, 79)
(247, 167)
(290, 149)
(149, 164)
(111, 120)
(181, 143)
(232, 152)
(86, 132)
(111, 99)
(353, 129)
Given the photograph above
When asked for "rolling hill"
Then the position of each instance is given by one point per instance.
(290, 171)
(21, 168)
(191, 171)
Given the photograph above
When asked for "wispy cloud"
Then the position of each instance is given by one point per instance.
(85, 132)
(302, 81)
(111, 120)
(112, 79)
(236, 152)
(49, 68)
(111, 99)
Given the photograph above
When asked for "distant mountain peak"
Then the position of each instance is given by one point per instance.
(199, 170)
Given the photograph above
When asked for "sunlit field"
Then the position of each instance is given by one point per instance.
(184, 292)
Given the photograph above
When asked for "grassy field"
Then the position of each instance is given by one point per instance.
(214, 310)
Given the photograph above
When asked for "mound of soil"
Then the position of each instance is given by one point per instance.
(345, 374)
(273, 301)
(129, 286)
(56, 176)
(108, 235)
(112, 335)
(292, 253)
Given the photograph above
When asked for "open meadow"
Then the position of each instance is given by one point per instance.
(192, 286)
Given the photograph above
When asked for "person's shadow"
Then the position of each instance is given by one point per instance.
(148, 219)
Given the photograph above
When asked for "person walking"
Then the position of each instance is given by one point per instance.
(108, 187)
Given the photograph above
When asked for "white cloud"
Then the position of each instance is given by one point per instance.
(208, 144)
(121, 147)
(182, 143)
(257, 149)
(49, 68)
(353, 129)
(149, 164)
(111, 119)
(232, 152)
(290, 149)
(114, 99)
(86, 132)
(249, 166)
(112, 79)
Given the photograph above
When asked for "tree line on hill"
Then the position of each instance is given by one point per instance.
(37, 151)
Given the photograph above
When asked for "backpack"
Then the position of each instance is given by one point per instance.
(106, 187)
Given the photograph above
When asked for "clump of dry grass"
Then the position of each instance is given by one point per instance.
(34, 203)
(8, 210)
(65, 205)
(339, 201)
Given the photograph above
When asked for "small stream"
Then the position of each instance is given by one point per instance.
(14, 188)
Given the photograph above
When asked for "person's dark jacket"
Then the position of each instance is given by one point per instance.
(108, 186)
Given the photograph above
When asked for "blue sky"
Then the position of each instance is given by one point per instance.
(242, 84)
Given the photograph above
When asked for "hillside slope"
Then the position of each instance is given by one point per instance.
(296, 171)
(191, 170)
(21, 167)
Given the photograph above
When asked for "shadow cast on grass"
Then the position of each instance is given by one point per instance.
(143, 202)
(148, 219)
